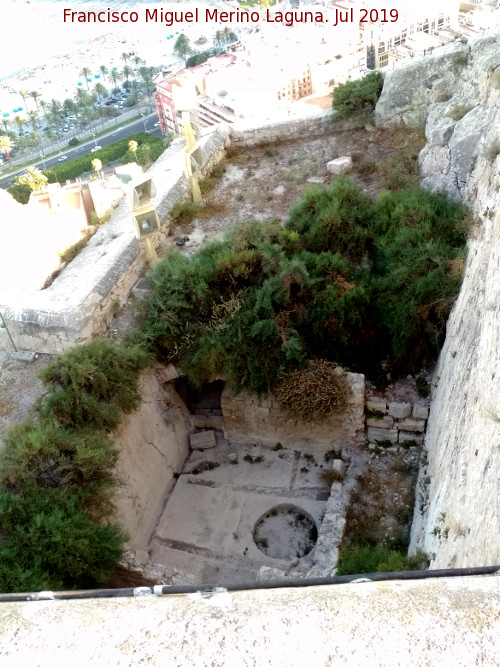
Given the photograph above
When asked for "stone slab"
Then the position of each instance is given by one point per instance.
(376, 403)
(413, 425)
(385, 422)
(373, 434)
(420, 412)
(405, 436)
(399, 410)
(202, 440)
(209, 421)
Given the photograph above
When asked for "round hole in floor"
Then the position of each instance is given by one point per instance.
(285, 532)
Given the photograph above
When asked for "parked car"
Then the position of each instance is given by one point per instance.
(96, 148)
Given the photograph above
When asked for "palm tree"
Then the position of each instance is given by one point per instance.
(146, 74)
(100, 90)
(182, 47)
(20, 122)
(70, 107)
(33, 116)
(97, 166)
(55, 107)
(115, 77)
(103, 70)
(133, 146)
(24, 94)
(127, 72)
(44, 106)
(85, 72)
(82, 97)
(137, 60)
(35, 95)
(125, 57)
(6, 124)
(6, 145)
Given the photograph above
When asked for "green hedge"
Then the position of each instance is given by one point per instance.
(57, 477)
(115, 151)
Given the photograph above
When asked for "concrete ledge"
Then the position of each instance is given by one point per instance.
(447, 621)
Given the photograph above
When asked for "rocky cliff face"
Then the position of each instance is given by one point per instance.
(456, 95)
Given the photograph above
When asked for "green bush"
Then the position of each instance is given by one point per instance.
(357, 95)
(90, 385)
(365, 559)
(49, 542)
(350, 280)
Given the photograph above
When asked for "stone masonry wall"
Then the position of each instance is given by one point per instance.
(153, 442)
(397, 423)
(250, 419)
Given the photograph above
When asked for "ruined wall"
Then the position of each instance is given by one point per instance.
(250, 419)
(81, 301)
(457, 513)
(153, 443)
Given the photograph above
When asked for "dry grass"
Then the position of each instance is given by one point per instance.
(314, 392)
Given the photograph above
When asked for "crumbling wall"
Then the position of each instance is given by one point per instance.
(153, 442)
(252, 419)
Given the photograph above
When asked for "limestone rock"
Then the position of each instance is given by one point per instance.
(385, 422)
(375, 434)
(142, 557)
(405, 436)
(413, 425)
(339, 467)
(376, 403)
(209, 421)
(420, 412)
(399, 410)
(341, 165)
(202, 440)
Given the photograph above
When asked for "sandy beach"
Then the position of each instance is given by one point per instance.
(57, 76)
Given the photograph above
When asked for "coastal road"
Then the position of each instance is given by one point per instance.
(147, 123)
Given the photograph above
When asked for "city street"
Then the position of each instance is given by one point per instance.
(147, 123)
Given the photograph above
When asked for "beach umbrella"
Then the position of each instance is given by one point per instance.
(106, 71)
(80, 83)
(114, 69)
(89, 78)
(97, 76)
(5, 114)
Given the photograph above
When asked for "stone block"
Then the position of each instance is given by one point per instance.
(202, 440)
(405, 436)
(373, 434)
(142, 557)
(339, 467)
(376, 403)
(341, 165)
(209, 421)
(413, 425)
(385, 422)
(399, 410)
(420, 413)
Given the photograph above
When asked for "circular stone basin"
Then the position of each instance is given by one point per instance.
(285, 532)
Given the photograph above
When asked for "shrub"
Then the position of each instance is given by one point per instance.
(49, 542)
(73, 142)
(365, 559)
(357, 95)
(89, 385)
(184, 212)
(459, 59)
(314, 392)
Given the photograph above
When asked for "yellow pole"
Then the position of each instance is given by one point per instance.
(150, 252)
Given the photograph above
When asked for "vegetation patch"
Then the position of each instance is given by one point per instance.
(57, 473)
(357, 95)
(360, 283)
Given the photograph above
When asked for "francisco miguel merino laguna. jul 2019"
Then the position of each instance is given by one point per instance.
(288, 18)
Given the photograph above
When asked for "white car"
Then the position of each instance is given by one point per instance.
(96, 148)
(62, 158)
